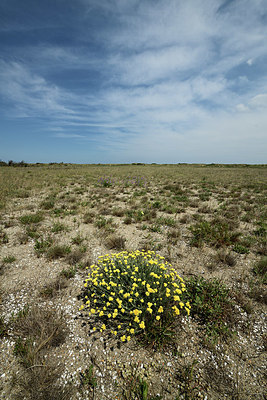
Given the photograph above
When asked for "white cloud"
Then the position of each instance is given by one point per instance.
(30, 93)
(167, 81)
(69, 135)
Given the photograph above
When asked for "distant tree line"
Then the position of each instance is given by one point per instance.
(12, 163)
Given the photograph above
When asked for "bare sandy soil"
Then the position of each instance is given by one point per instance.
(82, 215)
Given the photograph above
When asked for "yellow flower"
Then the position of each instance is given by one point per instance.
(160, 310)
(128, 338)
(92, 310)
(123, 338)
(149, 310)
(136, 319)
(81, 308)
(157, 317)
(142, 325)
(103, 327)
(132, 331)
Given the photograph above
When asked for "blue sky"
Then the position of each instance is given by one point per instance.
(122, 81)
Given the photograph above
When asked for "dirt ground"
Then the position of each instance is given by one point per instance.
(56, 221)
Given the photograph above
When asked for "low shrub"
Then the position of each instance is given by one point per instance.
(115, 242)
(31, 218)
(260, 269)
(211, 305)
(214, 233)
(58, 251)
(3, 237)
(135, 294)
(239, 248)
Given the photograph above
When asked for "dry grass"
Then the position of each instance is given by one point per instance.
(44, 206)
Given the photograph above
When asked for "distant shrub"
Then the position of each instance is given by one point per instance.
(260, 269)
(31, 218)
(214, 233)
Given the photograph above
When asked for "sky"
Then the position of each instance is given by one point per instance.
(123, 81)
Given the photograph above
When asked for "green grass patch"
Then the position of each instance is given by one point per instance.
(31, 218)
(214, 233)
(260, 269)
(211, 305)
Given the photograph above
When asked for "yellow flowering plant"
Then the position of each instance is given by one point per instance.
(134, 294)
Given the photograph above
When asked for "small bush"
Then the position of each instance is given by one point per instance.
(211, 305)
(31, 218)
(239, 248)
(167, 221)
(48, 203)
(118, 212)
(58, 227)
(58, 251)
(102, 222)
(31, 231)
(260, 269)
(41, 246)
(135, 294)
(77, 240)
(37, 330)
(68, 273)
(214, 233)
(9, 259)
(74, 257)
(173, 235)
(3, 327)
(3, 237)
(51, 289)
(88, 218)
(106, 181)
(226, 257)
(115, 242)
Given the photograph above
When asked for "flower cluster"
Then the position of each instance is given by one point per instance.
(136, 293)
(106, 181)
(135, 181)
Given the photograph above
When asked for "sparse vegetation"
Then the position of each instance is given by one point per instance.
(207, 220)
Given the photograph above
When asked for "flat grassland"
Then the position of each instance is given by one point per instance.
(207, 221)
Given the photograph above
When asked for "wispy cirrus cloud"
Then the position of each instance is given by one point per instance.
(137, 73)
